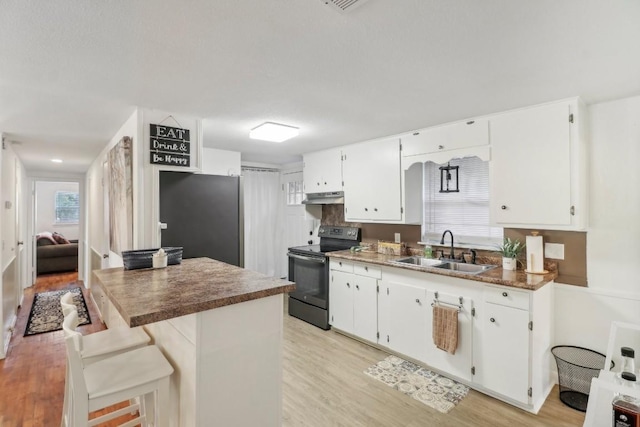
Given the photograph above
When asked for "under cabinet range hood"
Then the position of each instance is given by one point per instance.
(331, 198)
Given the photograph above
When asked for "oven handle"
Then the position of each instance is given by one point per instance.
(308, 258)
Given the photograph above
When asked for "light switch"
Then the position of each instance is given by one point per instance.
(397, 237)
(554, 250)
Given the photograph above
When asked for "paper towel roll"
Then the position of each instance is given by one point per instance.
(535, 254)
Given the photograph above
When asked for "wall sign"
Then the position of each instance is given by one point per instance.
(169, 146)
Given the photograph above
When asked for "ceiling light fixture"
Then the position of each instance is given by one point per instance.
(274, 132)
(56, 160)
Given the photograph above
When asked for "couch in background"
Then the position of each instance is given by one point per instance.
(54, 257)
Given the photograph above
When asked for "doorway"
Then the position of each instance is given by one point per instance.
(56, 227)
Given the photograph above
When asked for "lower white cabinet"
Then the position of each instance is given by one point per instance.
(504, 333)
(353, 300)
(505, 351)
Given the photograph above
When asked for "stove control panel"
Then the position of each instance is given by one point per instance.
(339, 232)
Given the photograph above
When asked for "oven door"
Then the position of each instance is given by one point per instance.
(311, 276)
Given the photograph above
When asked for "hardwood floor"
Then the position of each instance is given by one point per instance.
(324, 383)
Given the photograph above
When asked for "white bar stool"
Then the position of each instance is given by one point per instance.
(98, 345)
(142, 373)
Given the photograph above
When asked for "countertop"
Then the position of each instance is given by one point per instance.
(496, 276)
(198, 284)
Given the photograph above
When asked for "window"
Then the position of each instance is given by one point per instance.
(67, 207)
(465, 213)
(294, 193)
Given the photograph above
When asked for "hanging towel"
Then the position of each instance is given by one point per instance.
(445, 328)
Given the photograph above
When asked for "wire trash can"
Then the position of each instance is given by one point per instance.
(576, 367)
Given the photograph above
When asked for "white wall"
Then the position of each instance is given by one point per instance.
(583, 315)
(46, 208)
(220, 162)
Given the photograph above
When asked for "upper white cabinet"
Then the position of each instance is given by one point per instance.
(538, 167)
(372, 181)
(454, 136)
(323, 171)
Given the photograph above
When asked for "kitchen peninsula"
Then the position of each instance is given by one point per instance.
(219, 325)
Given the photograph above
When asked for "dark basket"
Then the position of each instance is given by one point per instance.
(143, 258)
(576, 367)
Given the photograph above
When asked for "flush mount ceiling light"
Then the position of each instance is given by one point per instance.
(274, 132)
(56, 160)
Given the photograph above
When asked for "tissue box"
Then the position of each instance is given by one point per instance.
(391, 248)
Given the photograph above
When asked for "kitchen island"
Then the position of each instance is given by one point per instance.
(219, 325)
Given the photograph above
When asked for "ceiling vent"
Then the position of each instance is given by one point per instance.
(344, 6)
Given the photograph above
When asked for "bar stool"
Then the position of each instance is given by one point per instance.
(142, 374)
(98, 345)
(109, 342)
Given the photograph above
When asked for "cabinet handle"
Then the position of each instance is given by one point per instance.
(440, 147)
(492, 320)
(340, 263)
(317, 183)
(358, 287)
(503, 207)
(348, 285)
(325, 183)
(366, 268)
(418, 300)
(504, 294)
(375, 209)
(366, 209)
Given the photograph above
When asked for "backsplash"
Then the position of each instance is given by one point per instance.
(572, 270)
(371, 233)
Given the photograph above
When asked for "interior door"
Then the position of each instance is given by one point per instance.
(203, 215)
(105, 216)
(19, 232)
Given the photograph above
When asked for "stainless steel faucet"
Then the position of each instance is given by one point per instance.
(451, 255)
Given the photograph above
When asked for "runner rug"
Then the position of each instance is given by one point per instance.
(434, 390)
(46, 313)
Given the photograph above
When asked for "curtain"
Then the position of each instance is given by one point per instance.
(263, 229)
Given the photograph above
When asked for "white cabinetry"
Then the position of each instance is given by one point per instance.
(372, 181)
(323, 171)
(447, 137)
(353, 299)
(515, 341)
(406, 318)
(538, 167)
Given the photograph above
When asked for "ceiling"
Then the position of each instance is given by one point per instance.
(72, 72)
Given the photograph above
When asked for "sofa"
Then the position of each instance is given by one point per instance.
(55, 254)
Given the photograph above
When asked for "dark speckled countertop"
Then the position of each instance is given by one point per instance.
(496, 276)
(198, 284)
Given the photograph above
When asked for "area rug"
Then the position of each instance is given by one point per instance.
(434, 390)
(46, 313)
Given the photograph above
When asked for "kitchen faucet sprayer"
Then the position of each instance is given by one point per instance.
(451, 254)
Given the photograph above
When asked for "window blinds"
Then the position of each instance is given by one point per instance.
(465, 213)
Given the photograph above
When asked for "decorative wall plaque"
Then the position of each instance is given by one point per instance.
(169, 146)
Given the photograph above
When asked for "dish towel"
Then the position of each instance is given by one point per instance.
(445, 328)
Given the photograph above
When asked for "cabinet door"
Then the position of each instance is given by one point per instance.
(531, 166)
(505, 351)
(407, 320)
(341, 300)
(453, 136)
(365, 303)
(372, 187)
(460, 363)
(323, 171)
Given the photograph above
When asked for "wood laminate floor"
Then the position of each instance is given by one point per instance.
(324, 383)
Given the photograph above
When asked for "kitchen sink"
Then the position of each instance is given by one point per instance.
(419, 261)
(464, 268)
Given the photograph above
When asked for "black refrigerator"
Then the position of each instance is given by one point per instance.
(203, 214)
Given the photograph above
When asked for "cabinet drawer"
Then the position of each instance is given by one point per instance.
(347, 267)
(507, 297)
(367, 270)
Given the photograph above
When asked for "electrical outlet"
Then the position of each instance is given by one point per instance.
(397, 237)
(554, 250)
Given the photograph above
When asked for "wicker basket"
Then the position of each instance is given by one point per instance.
(143, 258)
